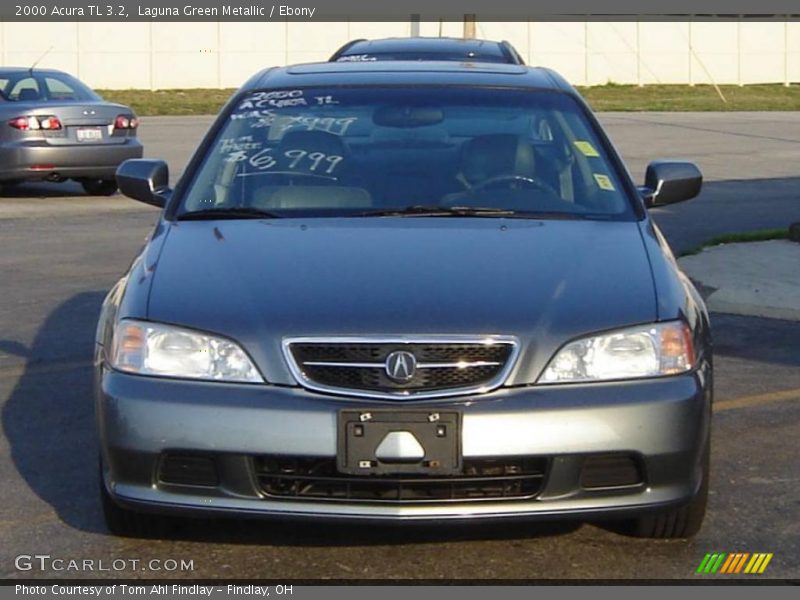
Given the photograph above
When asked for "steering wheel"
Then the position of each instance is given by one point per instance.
(513, 181)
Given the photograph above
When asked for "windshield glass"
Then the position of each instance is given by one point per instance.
(361, 150)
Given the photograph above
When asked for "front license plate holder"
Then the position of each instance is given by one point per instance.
(89, 134)
(361, 433)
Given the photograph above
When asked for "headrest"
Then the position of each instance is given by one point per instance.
(488, 156)
(26, 94)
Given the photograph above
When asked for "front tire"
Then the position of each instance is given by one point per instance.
(127, 523)
(99, 187)
(682, 522)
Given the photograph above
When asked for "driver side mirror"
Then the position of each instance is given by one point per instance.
(667, 182)
(145, 180)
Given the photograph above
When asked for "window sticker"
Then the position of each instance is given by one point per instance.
(586, 149)
(603, 182)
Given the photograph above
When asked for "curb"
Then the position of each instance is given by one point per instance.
(759, 279)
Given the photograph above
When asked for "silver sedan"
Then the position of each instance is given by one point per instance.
(54, 128)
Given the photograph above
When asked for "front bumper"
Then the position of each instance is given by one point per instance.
(39, 160)
(664, 422)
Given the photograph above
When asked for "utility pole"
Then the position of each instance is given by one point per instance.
(414, 29)
(469, 27)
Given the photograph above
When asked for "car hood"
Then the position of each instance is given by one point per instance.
(545, 282)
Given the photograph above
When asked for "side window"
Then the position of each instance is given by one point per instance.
(59, 90)
(25, 89)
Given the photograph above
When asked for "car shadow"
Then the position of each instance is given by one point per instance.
(41, 189)
(48, 418)
(317, 534)
(48, 421)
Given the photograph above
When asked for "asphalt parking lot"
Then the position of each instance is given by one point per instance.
(60, 251)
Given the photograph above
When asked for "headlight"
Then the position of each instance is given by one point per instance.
(164, 350)
(644, 351)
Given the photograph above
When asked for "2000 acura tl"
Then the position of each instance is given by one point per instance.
(406, 291)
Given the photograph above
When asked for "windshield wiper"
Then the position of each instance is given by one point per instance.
(241, 212)
(465, 211)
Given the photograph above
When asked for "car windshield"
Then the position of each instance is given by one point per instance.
(368, 151)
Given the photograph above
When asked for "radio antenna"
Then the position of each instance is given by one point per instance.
(38, 60)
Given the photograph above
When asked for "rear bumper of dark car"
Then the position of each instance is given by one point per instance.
(25, 161)
(661, 424)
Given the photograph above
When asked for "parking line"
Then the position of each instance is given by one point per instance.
(757, 400)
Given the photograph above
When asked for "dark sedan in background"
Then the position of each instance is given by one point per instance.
(428, 48)
(54, 128)
(406, 291)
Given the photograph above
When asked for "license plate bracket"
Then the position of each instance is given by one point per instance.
(399, 442)
(89, 134)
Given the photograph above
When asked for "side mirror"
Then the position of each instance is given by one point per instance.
(667, 182)
(145, 180)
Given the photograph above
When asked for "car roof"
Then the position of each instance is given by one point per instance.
(18, 70)
(408, 73)
(429, 48)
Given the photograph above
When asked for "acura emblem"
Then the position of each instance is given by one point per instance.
(401, 366)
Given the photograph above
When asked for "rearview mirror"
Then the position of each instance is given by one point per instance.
(145, 180)
(667, 182)
(407, 117)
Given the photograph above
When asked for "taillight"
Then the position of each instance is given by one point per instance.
(48, 122)
(21, 123)
(126, 122)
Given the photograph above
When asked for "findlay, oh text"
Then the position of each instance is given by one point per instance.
(142, 590)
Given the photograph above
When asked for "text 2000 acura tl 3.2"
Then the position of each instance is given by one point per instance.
(406, 292)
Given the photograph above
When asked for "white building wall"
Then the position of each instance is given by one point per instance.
(162, 55)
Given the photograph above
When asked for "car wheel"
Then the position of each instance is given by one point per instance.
(99, 187)
(681, 522)
(127, 523)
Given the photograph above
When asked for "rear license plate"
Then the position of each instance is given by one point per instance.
(89, 134)
(386, 442)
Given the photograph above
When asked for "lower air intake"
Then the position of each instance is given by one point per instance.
(295, 478)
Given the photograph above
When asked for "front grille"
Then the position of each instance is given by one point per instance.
(304, 478)
(364, 367)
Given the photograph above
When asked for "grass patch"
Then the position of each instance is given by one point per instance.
(615, 97)
(170, 102)
(761, 235)
(612, 97)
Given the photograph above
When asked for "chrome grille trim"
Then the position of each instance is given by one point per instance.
(496, 381)
(464, 364)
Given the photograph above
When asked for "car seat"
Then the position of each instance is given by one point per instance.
(28, 94)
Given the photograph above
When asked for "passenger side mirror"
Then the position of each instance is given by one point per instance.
(667, 182)
(145, 180)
